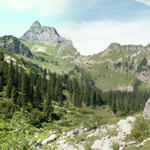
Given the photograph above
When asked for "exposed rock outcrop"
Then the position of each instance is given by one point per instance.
(49, 36)
(124, 128)
(49, 139)
(14, 45)
(45, 34)
(146, 112)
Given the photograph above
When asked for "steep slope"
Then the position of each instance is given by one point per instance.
(13, 44)
(46, 39)
(117, 68)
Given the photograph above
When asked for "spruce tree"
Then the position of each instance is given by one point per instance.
(59, 91)
(25, 90)
(37, 94)
(93, 99)
(1, 56)
(14, 95)
(48, 102)
(10, 80)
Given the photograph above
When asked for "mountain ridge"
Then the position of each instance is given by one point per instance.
(113, 69)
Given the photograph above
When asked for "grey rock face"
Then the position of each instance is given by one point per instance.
(44, 34)
(13, 44)
(146, 112)
(51, 138)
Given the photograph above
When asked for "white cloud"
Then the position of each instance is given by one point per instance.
(53, 7)
(40, 7)
(19, 5)
(93, 37)
(47, 7)
(146, 2)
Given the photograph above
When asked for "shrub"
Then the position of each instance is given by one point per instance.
(141, 130)
(36, 117)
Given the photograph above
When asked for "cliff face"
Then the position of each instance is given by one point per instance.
(13, 44)
(38, 34)
(44, 34)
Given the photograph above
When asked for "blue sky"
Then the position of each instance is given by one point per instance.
(91, 24)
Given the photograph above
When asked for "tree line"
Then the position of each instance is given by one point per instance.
(32, 91)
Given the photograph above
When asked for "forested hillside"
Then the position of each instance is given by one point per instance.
(35, 92)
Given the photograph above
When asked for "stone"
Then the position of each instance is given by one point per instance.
(36, 136)
(51, 138)
(103, 144)
(146, 112)
(143, 142)
(74, 132)
(39, 145)
(66, 146)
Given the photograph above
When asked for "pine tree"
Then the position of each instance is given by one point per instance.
(1, 56)
(10, 80)
(59, 91)
(114, 106)
(37, 94)
(14, 94)
(93, 99)
(1, 84)
(76, 94)
(48, 102)
(25, 90)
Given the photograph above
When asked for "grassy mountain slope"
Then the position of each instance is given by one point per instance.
(115, 69)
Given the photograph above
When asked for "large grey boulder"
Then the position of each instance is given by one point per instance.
(146, 112)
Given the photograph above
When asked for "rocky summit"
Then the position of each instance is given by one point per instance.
(44, 34)
(13, 44)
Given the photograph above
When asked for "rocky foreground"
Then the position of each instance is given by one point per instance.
(105, 137)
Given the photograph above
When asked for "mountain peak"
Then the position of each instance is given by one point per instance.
(114, 46)
(44, 34)
(36, 24)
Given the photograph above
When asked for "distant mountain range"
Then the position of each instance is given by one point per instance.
(119, 67)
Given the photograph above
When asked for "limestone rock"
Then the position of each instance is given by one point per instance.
(74, 132)
(103, 144)
(45, 34)
(14, 45)
(51, 138)
(146, 112)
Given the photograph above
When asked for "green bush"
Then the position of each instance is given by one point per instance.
(141, 130)
(36, 117)
(8, 108)
(115, 146)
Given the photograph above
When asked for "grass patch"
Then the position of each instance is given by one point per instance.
(140, 131)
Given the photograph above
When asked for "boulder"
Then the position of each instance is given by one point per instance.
(103, 144)
(146, 112)
(74, 132)
(39, 145)
(51, 138)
